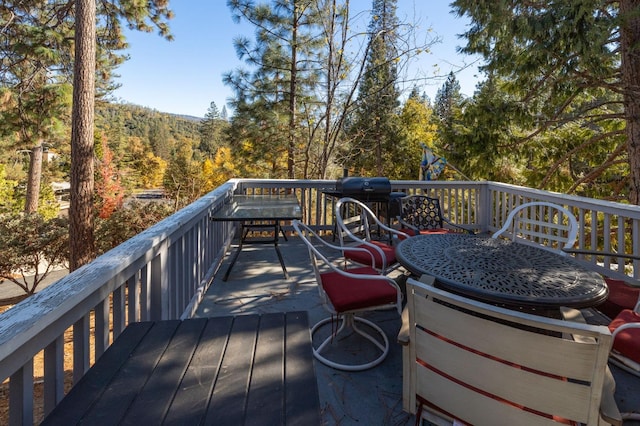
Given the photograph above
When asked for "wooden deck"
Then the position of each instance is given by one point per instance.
(257, 288)
(229, 370)
(371, 397)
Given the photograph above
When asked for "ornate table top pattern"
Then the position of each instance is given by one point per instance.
(502, 271)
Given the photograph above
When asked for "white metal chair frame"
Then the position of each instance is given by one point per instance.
(533, 224)
(349, 318)
(366, 219)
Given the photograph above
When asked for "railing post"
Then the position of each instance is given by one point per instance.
(54, 374)
(160, 275)
(81, 358)
(483, 214)
(21, 396)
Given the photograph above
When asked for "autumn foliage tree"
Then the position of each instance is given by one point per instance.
(109, 190)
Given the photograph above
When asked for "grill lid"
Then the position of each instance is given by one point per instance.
(364, 188)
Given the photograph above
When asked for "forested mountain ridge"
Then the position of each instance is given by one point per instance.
(143, 122)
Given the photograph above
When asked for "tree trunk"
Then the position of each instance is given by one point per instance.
(378, 148)
(34, 178)
(292, 95)
(630, 55)
(81, 238)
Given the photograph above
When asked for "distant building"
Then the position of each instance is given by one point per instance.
(61, 190)
(49, 156)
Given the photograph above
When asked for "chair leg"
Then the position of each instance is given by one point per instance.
(349, 321)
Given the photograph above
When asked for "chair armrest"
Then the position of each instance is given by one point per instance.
(455, 225)
(403, 334)
(408, 225)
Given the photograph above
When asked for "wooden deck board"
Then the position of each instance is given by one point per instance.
(300, 411)
(130, 380)
(152, 403)
(88, 390)
(265, 405)
(190, 403)
(249, 369)
(228, 402)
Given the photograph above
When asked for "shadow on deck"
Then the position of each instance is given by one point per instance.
(372, 397)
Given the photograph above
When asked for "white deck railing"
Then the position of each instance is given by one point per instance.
(163, 272)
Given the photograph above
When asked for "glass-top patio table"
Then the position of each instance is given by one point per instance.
(259, 212)
(502, 271)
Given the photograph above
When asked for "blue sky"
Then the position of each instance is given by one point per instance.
(185, 75)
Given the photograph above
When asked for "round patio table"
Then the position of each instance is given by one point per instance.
(502, 271)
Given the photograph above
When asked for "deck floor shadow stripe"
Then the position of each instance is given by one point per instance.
(132, 377)
(190, 403)
(152, 403)
(90, 388)
(229, 398)
(265, 405)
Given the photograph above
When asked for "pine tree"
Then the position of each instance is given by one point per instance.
(569, 63)
(374, 123)
(34, 83)
(284, 53)
(81, 222)
(448, 108)
(448, 99)
(212, 131)
(81, 235)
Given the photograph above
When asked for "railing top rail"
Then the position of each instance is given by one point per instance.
(612, 207)
(73, 295)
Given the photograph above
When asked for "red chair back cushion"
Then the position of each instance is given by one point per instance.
(348, 294)
(412, 233)
(627, 342)
(365, 259)
(621, 296)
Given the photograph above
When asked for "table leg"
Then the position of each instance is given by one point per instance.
(275, 243)
(243, 235)
(277, 229)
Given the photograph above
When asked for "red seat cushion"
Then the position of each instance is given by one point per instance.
(364, 259)
(627, 342)
(621, 296)
(347, 293)
(412, 233)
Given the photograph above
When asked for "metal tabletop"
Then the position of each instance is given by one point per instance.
(502, 271)
(257, 212)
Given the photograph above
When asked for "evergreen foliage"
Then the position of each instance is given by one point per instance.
(374, 125)
(212, 131)
(269, 100)
(570, 73)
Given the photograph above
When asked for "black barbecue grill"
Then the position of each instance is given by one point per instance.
(369, 190)
(366, 189)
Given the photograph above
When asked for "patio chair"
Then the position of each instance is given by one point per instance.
(624, 291)
(626, 340)
(356, 223)
(540, 223)
(420, 214)
(346, 293)
(623, 306)
(476, 363)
